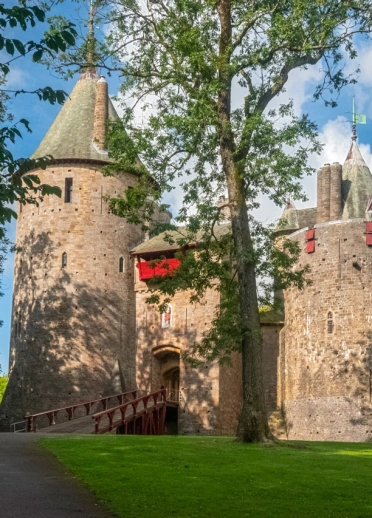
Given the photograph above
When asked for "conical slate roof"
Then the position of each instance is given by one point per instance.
(71, 134)
(356, 184)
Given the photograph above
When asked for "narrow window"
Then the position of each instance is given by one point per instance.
(121, 265)
(17, 329)
(68, 190)
(330, 324)
(64, 260)
(166, 317)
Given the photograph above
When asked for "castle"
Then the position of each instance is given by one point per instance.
(325, 352)
(81, 327)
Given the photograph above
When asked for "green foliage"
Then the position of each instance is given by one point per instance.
(87, 51)
(25, 16)
(17, 184)
(183, 62)
(4, 248)
(3, 384)
(216, 477)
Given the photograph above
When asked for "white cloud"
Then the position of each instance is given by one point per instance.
(299, 87)
(142, 109)
(335, 134)
(336, 137)
(17, 78)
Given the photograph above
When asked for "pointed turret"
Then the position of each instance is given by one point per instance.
(356, 184)
(79, 130)
(73, 134)
(75, 288)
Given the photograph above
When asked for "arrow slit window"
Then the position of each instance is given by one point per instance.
(68, 190)
(330, 324)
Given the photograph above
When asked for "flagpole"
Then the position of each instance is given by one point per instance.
(354, 132)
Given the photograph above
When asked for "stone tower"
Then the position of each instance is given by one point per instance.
(73, 317)
(325, 374)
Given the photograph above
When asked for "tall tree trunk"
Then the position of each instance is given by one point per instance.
(253, 424)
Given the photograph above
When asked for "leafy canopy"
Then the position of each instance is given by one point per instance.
(206, 75)
(17, 184)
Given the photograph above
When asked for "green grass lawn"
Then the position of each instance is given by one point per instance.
(158, 477)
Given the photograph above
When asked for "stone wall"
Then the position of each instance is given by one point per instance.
(334, 418)
(211, 394)
(231, 380)
(199, 387)
(325, 378)
(270, 359)
(73, 327)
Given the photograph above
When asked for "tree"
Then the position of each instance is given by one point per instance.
(183, 60)
(3, 384)
(16, 183)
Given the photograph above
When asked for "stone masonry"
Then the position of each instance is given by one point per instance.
(325, 355)
(81, 326)
(328, 338)
(73, 326)
(210, 395)
(199, 387)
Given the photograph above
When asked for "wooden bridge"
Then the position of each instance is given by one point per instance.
(127, 412)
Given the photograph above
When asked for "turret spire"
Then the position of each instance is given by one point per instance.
(358, 118)
(356, 176)
(90, 56)
(354, 130)
(289, 202)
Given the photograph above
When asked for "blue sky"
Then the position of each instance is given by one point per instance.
(333, 127)
(30, 76)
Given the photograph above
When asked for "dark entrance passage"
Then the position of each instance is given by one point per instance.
(171, 420)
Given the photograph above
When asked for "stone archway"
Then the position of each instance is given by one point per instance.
(166, 373)
(166, 370)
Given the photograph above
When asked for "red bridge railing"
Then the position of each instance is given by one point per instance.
(71, 410)
(143, 416)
